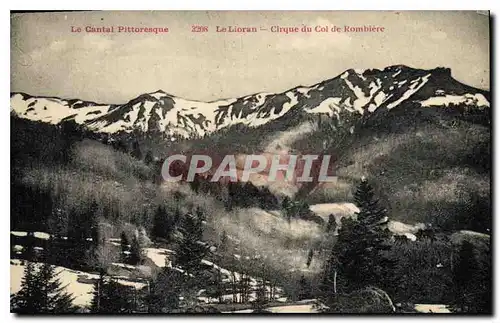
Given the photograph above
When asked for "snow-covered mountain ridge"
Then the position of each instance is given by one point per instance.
(354, 91)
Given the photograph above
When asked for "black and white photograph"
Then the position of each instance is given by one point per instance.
(255, 162)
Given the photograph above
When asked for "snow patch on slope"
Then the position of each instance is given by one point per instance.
(468, 99)
(54, 110)
(327, 106)
(304, 91)
(71, 279)
(258, 121)
(414, 87)
(362, 100)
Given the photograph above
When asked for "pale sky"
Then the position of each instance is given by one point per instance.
(48, 59)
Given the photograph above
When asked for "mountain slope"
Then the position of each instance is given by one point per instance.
(353, 92)
(420, 135)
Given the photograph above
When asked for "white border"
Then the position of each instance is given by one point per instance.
(203, 5)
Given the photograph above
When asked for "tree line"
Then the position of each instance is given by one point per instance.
(365, 256)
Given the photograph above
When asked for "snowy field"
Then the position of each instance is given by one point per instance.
(292, 308)
(78, 283)
(432, 308)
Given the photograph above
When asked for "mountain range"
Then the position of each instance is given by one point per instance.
(353, 92)
(422, 137)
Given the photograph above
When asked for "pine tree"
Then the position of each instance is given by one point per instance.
(70, 132)
(135, 251)
(310, 256)
(294, 209)
(79, 230)
(472, 282)
(332, 224)
(136, 150)
(121, 298)
(191, 248)
(189, 253)
(162, 224)
(95, 244)
(463, 275)
(52, 292)
(196, 183)
(358, 258)
(267, 200)
(244, 287)
(26, 300)
(41, 292)
(58, 222)
(260, 294)
(94, 234)
(200, 214)
(148, 159)
(121, 145)
(223, 243)
(29, 248)
(110, 297)
(285, 203)
(220, 287)
(304, 288)
(163, 294)
(98, 293)
(125, 247)
(232, 192)
(286, 206)
(484, 295)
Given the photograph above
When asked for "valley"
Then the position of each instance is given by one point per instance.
(411, 200)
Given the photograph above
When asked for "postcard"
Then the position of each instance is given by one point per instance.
(267, 162)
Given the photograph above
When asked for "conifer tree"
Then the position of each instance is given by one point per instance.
(220, 287)
(332, 224)
(191, 248)
(484, 294)
(52, 295)
(29, 248)
(79, 231)
(286, 206)
(148, 159)
(244, 287)
(98, 293)
(135, 251)
(463, 275)
(41, 292)
(163, 292)
(196, 183)
(200, 214)
(94, 234)
(294, 209)
(25, 301)
(162, 224)
(310, 256)
(260, 294)
(58, 222)
(136, 150)
(358, 258)
(189, 253)
(304, 288)
(472, 282)
(223, 243)
(125, 247)
(110, 297)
